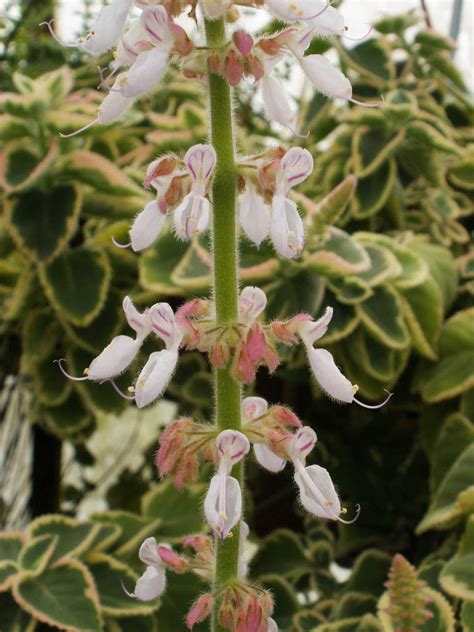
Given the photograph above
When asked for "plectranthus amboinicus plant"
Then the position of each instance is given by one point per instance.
(210, 189)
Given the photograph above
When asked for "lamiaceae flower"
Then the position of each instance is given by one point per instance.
(153, 581)
(223, 503)
(191, 215)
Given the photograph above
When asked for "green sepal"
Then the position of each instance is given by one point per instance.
(37, 553)
(21, 166)
(64, 596)
(108, 573)
(374, 190)
(96, 171)
(76, 284)
(73, 537)
(58, 210)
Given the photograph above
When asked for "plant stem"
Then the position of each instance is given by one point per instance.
(225, 252)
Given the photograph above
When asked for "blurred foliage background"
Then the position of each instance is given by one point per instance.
(388, 213)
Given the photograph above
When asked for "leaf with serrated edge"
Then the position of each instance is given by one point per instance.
(74, 537)
(37, 553)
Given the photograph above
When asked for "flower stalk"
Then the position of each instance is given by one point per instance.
(225, 252)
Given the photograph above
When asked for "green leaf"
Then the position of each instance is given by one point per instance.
(286, 602)
(343, 323)
(73, 537)
(382, 315)
(22, 166)
(454, 496)
(43, 223)
(329, 210)
(336, 254)
(349, 290)
(353, 604)
(426, 134)
(157, 264)
(374, 190)
(133, 529)
(371, 148)
(454, 373)
(303, 292)
(36, 554)
(280, 553)
(371, 58)
(98, 172)
(108, 573)
(456, 433)
(51, 388)
(396, 23)
(457, 577)
(370, 355)
(427, 37)
(11, 543)
(442, 267)
(63, 596)
(8, 570)
(423, 310)
(181, 591)
(12, 127)
(369, 573)
(14, 619)
(384, 266)
(179, 512)
(76, 284)
(199, 389)
(68, 418)
(193, 273)
(39, 336)
(461, 174)
(440, 205)
(467, 616)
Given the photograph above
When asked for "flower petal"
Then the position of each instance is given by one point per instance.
(268, 459)
(200, 161)
(145, 73)
(192, 216)
(138, 322)
(148, 553)
(114, 104)
(232, 444)
(329, 377)
(302, 443)
(296, 165)
(312, 330)
(253, 407)
(325, 77)
(107, 28)
(290, 11)
(254, 215)
(114, 359)
(147, 226)
(252, 302)
(223, 523)
(151, 584)
(155, 376)
(317, 492)
(165, 325)
(330, 22)
(286, 229)
(277, 107)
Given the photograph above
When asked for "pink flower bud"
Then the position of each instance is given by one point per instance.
(158, 168)
(255, 346)
(182, 44)
(176, 563)
(199, 543)
(253, 66)
(243, 42)
(286, 416)
(200, 610)
(234, 70)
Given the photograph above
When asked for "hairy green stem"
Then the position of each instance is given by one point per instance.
(225, 252)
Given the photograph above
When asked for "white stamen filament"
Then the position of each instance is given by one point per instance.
(79, 131)
(375, 406)
(64, 372)
(120, 392)
(119, 245)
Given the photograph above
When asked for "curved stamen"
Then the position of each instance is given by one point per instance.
(129, 594)
(83, 129)
(54, 36)
(377, 104)
(120, 392)
(328, 4)
(358, 510)
(376, 405)
(64, 372)
(104, 80)
(119, 245)
(359, 39)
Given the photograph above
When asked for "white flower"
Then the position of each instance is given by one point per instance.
(277, 107)
(252, 302)
(191, 217)
(164, 324)
(153, 581)
(323, 366)
(155, 376)
(317, 492)
(253, 407)
(329, 22)
(254, 215)
(145, 73)
(223, 502)
(272, 626)
(293, 10)
(147, 226)
(325, 77)
(268, 459)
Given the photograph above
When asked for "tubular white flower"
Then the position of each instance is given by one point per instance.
(317, 492)
(145, 73)
(286, 228)
(268, 459)
(153, 581)
(296, 165)
(290, 11)
(191, 217)
(114, 104)
(108, 28)
(313, 330)
(128, 47)
(200, 161)
(156, 24)
(325, 77)
(165, 325)
(147, 226)
(254, 215)
(329, 22)
(114, 359)
(155, 376)
(277, 107)
(252, 302)
(302, 443)
(223, 504)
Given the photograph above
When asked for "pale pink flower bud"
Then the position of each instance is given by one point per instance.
(172, 560)
(233, 68)
(285, 416)
(200, 610)
(253, 407)
(243, 42)
(157, 169)
(199, 543)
